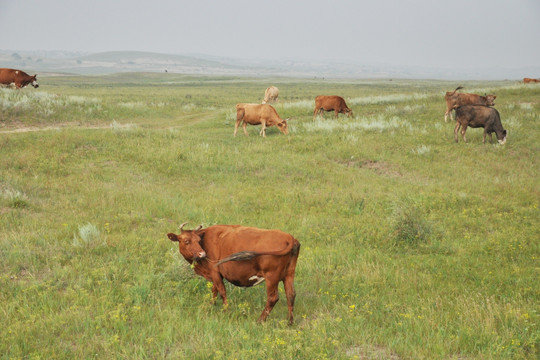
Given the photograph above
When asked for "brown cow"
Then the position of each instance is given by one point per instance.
(271, 94)
(256, 114)
(477, 116)
(454, 100)
(529, 80)
(331, 103)
(244, 256)
(17, 77)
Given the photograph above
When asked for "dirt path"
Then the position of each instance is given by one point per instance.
(183, 121)
(59, 127)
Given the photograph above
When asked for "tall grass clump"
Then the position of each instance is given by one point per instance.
(385, 99)
(411, 229)
(88, 236)
(14, 198)
(377, 123)
(422, 149)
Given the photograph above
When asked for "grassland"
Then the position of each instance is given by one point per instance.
(413, 246)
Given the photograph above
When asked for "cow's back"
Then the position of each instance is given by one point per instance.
(330, 101)
(271, 94)
(225, 240)
(256, 113)
(477, 115)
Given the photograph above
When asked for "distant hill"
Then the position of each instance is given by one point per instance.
(137, 61)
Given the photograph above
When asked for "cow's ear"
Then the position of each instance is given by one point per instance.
(200, 232)
(172, 236)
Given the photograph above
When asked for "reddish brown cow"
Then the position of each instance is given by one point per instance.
(17, 77)
(256, 114)
(244, 256)
(454, 100)
(529, 80)
(271, 94)
(476, 116)
(331, 103)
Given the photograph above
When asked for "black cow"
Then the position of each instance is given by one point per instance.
(477, 116)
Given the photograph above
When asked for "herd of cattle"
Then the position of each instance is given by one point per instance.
(247, 256)
(472, 110)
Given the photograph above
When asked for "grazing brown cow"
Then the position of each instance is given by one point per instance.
(529, 80)
(17, 77)
(244, 256)
(271, 94)
(476, 116)
(454, 100)
(256, 114)
(331, 103)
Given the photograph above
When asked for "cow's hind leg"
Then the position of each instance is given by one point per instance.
(448, 112)
(288, 283)
(239, 118)
(272, 296)
(315, 113)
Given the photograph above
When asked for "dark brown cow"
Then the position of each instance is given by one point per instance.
(271, 94)
(529, 80)
(454, 100)
(17, 77)
(244, 256)
(256, 114)
(476, 116)
(331, 103)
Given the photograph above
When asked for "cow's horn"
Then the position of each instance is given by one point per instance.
(198, 228)
(181, 226)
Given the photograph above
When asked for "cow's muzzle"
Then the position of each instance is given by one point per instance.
(201, 255)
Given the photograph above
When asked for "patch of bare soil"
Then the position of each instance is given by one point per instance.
(370, 352)
(23, 129)
(380, 167)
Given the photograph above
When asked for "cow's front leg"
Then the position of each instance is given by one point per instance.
(219, 287)
(214, 294)
(463, 130)
(456, 130)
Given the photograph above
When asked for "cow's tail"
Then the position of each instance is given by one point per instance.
(458, 88)
(292, 248)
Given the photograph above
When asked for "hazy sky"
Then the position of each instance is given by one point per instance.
(456, 33)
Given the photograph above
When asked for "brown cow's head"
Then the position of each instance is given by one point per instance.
(34, 81)
(189, 243)
(283, 127)
(348, 112)
(490, 100)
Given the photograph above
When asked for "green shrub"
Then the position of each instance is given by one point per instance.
(410, 227)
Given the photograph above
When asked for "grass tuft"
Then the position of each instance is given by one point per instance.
(88, 236)
(411, 228)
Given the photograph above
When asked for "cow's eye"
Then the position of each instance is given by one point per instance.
(186, 242)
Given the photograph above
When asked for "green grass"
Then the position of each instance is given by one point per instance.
(413, 246)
